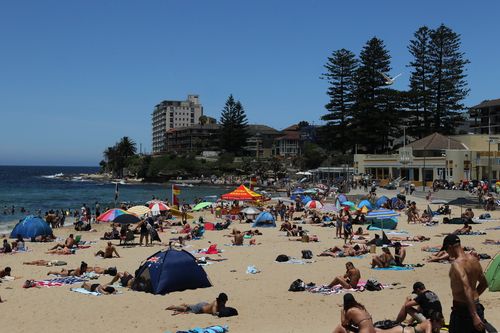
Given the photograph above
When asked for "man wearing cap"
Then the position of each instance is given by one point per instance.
(467, 284)
(426, 300)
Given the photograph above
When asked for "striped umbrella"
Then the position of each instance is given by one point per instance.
(314, 204)
(110, 215)
(158, 207)
(382, 214)
(139, 210)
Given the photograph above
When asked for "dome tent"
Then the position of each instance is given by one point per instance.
(168, 271)
(30, 227)
(264, 219)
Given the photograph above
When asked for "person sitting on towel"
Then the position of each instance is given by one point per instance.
(202, 307)
(108, 252)
(350, 278)
(384, 260)
(466, 229)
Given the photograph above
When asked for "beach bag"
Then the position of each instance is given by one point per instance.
(282, 258)
(385, 324)
(307, 254)
(297, 285)
(373, 285)
(228, 312)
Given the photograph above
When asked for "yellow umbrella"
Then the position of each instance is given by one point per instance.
(139, 210)
(178, 213)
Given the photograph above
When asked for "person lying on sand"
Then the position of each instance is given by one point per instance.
(347, 250)
(417, 238)
(444, 256)
(305, 238)
(350, 278)
(64, 250)
(125, 279)
(108, 251)
(202, 307)
(384, 260)
(47, 263)
(69, 243)
(101, 289)
(466, 229)
(71, 272)
(5, 272)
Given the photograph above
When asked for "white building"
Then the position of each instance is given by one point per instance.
(173, 114)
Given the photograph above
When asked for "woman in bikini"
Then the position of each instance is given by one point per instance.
(354, 317)
(431, 325)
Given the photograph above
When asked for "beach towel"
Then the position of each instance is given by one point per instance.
(394, 268)
(92, 293)
(58, 282)
(491, 242)
(242, 245)
(324, 290)
(209, 329)
(296, 261)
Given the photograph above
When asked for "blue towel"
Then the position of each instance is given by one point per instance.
(210, 329)
(394, 268)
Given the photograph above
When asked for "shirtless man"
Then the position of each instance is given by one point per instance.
(70, 272)
(350, 278)
(238, 238)
(64, 250)
(467, 284)
(126, 279)
(466, 229)
(69, 243)
(101, 289)
(203, 307)
(108, 252)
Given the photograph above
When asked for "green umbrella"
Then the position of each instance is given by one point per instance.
(202, 205)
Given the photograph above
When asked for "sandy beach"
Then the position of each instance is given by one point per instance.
(263, 300)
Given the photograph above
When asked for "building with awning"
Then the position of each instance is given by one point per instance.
(452, 158)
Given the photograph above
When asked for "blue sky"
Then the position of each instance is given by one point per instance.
(76, 76)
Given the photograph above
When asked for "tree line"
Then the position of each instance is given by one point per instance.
(364, 112)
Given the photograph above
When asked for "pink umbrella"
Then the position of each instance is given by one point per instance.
(314, 204)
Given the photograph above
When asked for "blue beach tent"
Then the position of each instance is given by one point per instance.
(30, 227)
(380, 201)
(389, 223)
(168, 271)
(365, 203)
(264, 219)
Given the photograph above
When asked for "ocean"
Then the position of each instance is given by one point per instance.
(37, 188)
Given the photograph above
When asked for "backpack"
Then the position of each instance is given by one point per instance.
(373, 285)
(307, 254)
(297, 285)
(282, 258)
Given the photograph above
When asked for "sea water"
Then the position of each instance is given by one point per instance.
(41, 188)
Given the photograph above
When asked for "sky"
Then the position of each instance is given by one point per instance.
(76, 76)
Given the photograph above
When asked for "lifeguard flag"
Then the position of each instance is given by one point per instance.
(175, 192)
(253, 182)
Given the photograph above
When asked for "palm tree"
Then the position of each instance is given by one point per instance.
(127, 147)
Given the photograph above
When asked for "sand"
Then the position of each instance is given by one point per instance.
(263, 299)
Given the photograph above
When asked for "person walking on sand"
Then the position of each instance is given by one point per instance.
(467, 284)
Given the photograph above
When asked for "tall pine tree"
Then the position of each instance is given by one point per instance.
(341, 71)
(448, 86)
(371, 98)
(234, 123)
(420, 83)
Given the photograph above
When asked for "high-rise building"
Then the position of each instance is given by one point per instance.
(173, 114)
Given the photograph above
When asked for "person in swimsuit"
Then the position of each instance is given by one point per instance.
(433, 324)
(101, 289)
(384, 260)
(202, 307)
(467, 284)
(350, 278)
(399, 254)
(354, 317)
(69, 243)
(126, 279)
(108, 251)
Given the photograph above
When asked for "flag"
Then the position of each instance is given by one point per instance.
(253, 182)
(117, 192)
(175, 193)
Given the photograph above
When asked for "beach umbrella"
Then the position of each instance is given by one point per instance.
(178, 213)
(110, 215)
(348, 203)
(250, 211)
(306, 199)
(314, 204)
(159, 206)
(439, 202)
(311, 191)
(461, 202)
(284, 199)
(202, 205)
(30, 227)
(298, 191)
(139, 210)
(381, 201)
(365, 203)
(127, 219)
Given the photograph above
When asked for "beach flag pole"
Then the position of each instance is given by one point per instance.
(117, 193)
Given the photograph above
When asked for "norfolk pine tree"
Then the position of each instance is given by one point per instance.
(233, 126)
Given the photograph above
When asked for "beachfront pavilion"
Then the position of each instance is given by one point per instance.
(452, 158)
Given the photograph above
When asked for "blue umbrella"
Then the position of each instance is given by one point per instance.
(380, 201)
(30, 227)
(365, 203)
(381, 214)
(306, 199)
